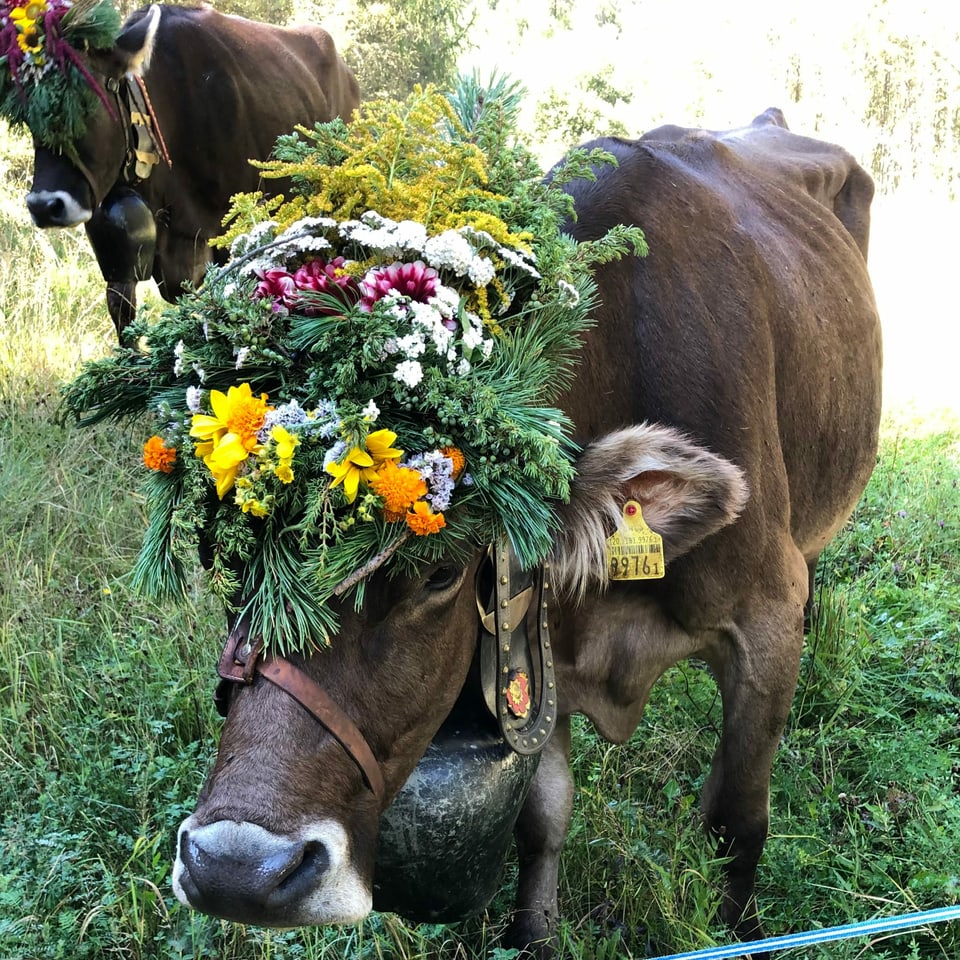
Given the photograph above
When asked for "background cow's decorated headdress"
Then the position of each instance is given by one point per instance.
(45, 84)
(368, 381)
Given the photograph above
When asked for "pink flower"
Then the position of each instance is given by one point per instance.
(325, 278)
(279, 286)
(414, 280)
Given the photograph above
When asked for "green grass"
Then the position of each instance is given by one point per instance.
(107, 725)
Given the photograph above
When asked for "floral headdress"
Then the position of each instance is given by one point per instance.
(368, 380)
(44, 82)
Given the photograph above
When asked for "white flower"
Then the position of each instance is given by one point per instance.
(412, 345)
(449, 249)
(447, 301)
(409, 372)
(463, 367)
(517, 259)
(241, 356)
(473, 335)
(193, 399)
(178, 358)
(569, 295)
(428, 318)
(370, 412)
(481, 271)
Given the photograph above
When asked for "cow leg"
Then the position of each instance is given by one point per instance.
(540, 833)
(122, 305)
(756, 670)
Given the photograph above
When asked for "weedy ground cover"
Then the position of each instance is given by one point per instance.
(107, 725)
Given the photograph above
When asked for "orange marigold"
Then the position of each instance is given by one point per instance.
(459, 460)
(158, 456)
(399, 487)
(423, 521)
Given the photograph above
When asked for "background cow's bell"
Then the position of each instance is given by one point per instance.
(444, 839)
(123, 234)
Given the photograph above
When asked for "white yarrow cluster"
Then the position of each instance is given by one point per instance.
(388, 237)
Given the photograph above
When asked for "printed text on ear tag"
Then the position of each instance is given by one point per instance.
(634, 552)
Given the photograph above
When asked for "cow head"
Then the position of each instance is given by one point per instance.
(69, 184)
(286, 829)
(285, 832)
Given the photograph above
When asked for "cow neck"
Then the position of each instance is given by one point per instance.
(243, 658)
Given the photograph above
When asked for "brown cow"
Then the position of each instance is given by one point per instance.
(731, 386)
(221, 89)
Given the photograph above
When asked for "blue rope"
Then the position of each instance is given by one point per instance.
(864, 928)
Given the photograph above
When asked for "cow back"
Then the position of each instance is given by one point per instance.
(224, 89)
(751, 324)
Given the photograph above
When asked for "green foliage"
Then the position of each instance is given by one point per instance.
(399, 44)
(487, 351)
(44, 86)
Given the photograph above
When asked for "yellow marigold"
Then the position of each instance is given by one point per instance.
(459, 460)
(399, 487)
(158, 456)
(423, 521)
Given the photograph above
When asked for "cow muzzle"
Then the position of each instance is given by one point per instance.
(245, 873)
(56, 208)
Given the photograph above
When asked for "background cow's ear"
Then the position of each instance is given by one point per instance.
(135, 43)
(686, 493)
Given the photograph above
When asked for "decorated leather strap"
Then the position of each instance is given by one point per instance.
(241, 660)
(148, 145)
(516, 668)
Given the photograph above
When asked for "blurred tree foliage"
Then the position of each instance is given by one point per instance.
(270, 11)
(397, 44)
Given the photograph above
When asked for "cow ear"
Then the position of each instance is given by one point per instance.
(685, 491)
(135, 43)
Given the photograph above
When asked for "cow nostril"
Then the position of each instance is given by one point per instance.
(305, 876)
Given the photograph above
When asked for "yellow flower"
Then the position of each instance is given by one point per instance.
(29, 39)
(380, 445)
(158, 456)
(286, 442)
(362, 465)
(229, 436)
(423, 521)
(357, 465)
(400, 487)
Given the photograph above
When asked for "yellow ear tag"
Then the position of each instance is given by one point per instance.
(634, 551)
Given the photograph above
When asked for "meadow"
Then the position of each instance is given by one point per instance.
(107, 722)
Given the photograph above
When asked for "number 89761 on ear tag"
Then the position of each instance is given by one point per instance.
(634, 551)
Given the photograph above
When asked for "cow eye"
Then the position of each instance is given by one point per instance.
(443, 578)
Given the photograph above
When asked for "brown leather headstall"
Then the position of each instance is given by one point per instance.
(516, 659)
(243, 658)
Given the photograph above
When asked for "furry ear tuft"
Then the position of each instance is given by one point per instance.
(686, 493)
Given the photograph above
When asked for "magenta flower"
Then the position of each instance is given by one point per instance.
(279, 286)
(414, 280)
(325, 278)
